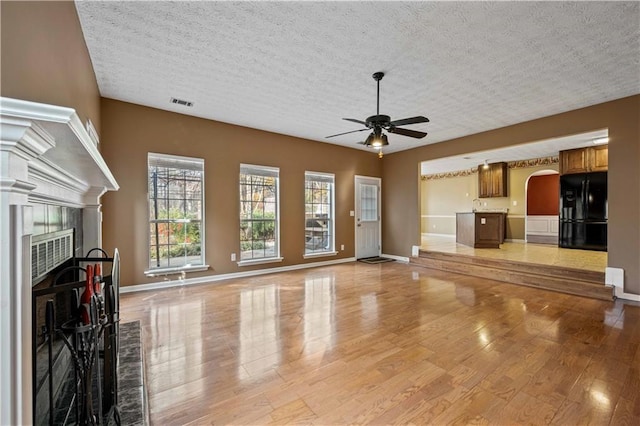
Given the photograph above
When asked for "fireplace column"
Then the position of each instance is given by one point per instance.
(92, 219)
(21, 142)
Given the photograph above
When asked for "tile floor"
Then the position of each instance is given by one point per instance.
(543, 254)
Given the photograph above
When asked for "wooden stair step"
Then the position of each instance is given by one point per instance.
(574, 273)
(548, 277)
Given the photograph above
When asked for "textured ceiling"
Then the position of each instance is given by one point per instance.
(298, 68)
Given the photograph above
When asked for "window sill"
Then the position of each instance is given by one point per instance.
(260, 261)
(177, 270)
(323, 254)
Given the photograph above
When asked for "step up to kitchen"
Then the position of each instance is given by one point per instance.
(549, 277)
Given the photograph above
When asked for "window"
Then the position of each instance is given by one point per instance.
(176, 203)
(259, 214)
(318, 213)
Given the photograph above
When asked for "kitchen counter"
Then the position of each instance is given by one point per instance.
(480, 229)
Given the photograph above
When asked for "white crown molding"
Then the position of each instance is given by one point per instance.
(16, 185)
(48, 146)
(92, 196)
(23, 137)
(35, 111)
(60, 127)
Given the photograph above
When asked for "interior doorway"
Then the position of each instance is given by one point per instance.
(542, 195)
(367, 215)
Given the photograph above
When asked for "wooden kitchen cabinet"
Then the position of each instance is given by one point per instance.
(599, 158)
(492, 180)
(584, 160)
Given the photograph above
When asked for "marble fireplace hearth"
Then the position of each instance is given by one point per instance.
(132, 397)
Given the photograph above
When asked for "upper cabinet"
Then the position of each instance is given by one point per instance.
(599, 158)
(492, 180)
(584, 160)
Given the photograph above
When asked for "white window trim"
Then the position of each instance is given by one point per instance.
(176, 270)
(333, 251)
(186, 268)
(260, 261)
(320, 254)
(276, 257)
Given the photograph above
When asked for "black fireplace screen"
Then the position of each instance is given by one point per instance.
(75, 342)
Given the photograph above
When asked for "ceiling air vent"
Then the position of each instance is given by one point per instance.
(181, 102)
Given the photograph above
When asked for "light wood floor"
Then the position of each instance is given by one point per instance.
(385, 344)
(544, 254)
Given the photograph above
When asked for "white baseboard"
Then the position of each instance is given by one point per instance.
(430, 234)
(402, 259)
(514, 240)
(620, 294)
(222, 277)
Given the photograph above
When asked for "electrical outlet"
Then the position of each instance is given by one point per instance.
(233, 257)
(342, 247)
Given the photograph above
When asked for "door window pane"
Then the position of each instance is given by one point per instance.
(368, 203)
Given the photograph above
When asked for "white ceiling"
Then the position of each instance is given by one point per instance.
(298, 68)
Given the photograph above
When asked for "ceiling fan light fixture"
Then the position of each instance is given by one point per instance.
(379, 140)
(369, 141)
(486, 165)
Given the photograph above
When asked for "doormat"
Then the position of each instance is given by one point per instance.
(374, 260)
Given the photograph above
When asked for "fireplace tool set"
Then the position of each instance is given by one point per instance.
(90, 334)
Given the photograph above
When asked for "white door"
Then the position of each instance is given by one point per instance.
(367, 217)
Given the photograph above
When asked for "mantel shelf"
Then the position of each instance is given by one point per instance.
(69, 155)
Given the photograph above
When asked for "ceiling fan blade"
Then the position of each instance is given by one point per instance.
(412, 120)
(346, 133)
(407, 132)
(356, 121)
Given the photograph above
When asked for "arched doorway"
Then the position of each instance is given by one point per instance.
(542, 195)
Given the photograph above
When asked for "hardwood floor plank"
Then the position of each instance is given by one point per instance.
(385, 344)
(626, 413)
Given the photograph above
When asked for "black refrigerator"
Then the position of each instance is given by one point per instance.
(583, 211)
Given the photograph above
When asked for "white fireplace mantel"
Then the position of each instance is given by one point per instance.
(46, 156)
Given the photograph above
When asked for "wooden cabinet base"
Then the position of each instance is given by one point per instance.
(480, 229)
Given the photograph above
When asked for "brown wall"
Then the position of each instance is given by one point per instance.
(401, 199)
(131, 131)
(543, 195)
(45, 58)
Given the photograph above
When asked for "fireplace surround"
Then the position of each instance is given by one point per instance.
(47, 158)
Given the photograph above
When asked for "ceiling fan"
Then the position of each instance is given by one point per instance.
(380, 122)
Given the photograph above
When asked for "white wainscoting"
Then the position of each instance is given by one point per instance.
(542, 229)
